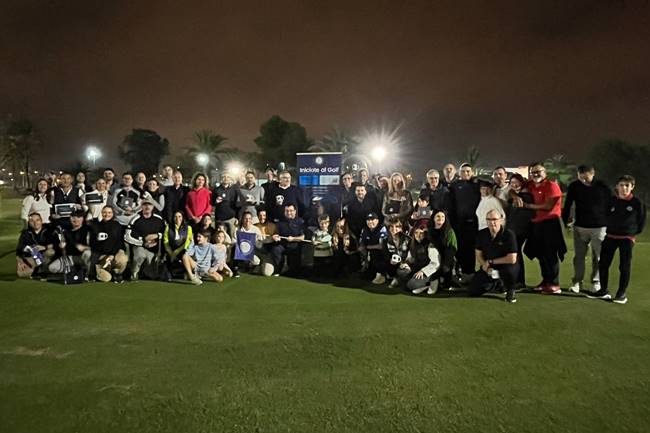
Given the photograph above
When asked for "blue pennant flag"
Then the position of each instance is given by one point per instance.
(245, 248)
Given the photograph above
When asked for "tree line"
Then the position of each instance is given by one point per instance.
(278, 142)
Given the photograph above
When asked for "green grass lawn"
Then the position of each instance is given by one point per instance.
(277, 355)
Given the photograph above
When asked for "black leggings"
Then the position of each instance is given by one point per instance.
(607, 251)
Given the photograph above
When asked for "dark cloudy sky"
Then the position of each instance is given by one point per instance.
(519, 79)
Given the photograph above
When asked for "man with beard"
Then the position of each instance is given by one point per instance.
(283, 195)
(547, 241)
(359, 208)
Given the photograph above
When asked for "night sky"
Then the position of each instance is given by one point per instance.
(521, 80)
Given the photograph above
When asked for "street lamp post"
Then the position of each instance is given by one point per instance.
(93, 154)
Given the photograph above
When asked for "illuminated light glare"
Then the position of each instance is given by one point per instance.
(2, 182)
(93, 154)
(379, 153)
(202, 159)
(234, 168)
(379, 143)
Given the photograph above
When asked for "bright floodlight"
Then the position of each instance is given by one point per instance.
(379, 143)
(202, 159)
(234, 168)
(379, 153)
(93, 154)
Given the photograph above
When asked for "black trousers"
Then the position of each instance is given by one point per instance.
(466, 235)
(375, 264)
(292, 251)
(607, 251)
(483, 283)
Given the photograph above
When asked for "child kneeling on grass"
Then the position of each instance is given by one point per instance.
(205, 260)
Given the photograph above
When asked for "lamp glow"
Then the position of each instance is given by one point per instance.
(202, 159)
(93, 154)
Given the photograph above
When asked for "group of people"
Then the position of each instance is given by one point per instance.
(459, 232)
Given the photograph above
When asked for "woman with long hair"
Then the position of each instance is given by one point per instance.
(396, 248)
(424, 261)
(398, 203)
(443, 238)
(346, 248)
(38, 201)
(199, 199)
(177, 239)
(519, 220)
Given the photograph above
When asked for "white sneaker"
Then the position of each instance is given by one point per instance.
(433, 287)
(196, 280)
(575, 288)
(419, 290)
(379, 279)
(595, 286)
(394, 283)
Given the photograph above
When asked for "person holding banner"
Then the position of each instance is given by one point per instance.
(94, 201)
(248, 242)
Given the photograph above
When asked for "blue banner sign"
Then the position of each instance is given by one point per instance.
(319, 177)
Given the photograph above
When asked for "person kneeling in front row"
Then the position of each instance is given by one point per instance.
(203, 260)
(496, 252)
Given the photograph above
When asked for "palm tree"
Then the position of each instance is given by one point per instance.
(206, 141)
(337, 140)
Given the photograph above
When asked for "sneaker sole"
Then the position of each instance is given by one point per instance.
(604, 298)
(620, 301)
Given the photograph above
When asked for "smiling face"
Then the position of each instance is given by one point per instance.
(107, 213)
(360, 192)
(250, 179)
(42, 186)
(340, 226)
(152, 185)
(100, 185)
(395, 229)
(261, 216)
(141, 178)
(372, 223)
(434, 180)
(515, 184)
(290, 212)
(538, 173)
(419, 234)
(35, 222)
(178, 218)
